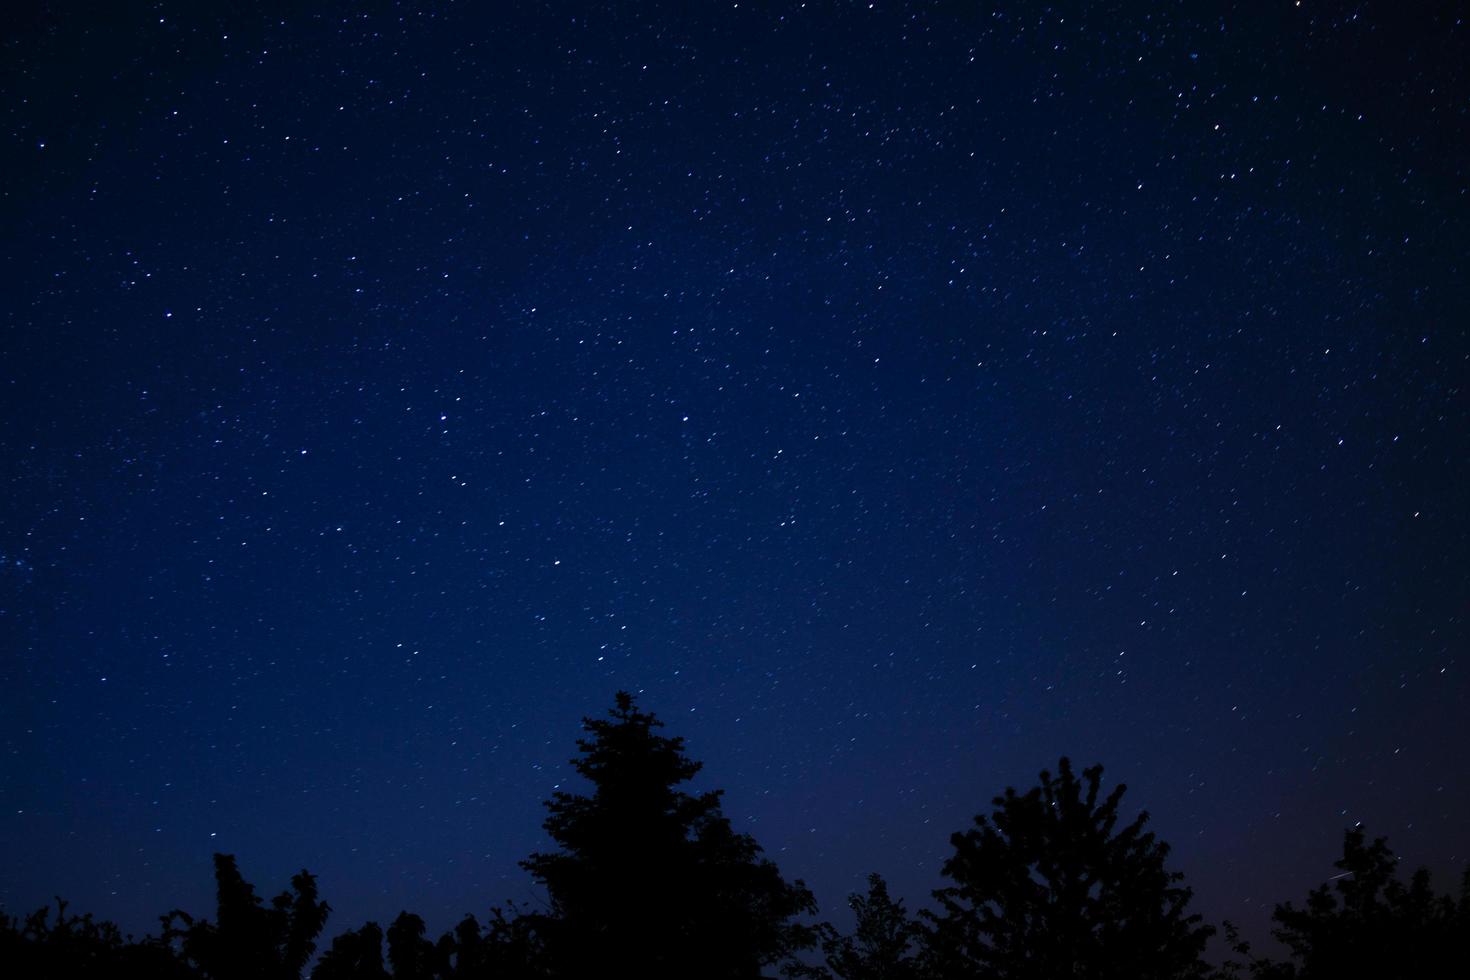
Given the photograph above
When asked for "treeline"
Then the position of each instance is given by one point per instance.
(651, 881)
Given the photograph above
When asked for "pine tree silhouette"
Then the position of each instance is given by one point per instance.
(650, 880)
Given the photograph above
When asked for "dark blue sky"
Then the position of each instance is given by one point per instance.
(896, 397)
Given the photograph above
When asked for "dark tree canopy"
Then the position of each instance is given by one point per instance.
(409, 951)
(503, 950)
(1050, 886)
(1369, 923)
(884, 945)
(249, 940)
(81, 947)
(651, 880)
(356, 954)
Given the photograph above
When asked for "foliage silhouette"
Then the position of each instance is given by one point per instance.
(80, 947)
(411, 955)
(507, 948)
(503, 950)
(884, 945)
(356, 954)
(651, 880)
(250, 941)
(463, 953)
(1049, 886)
(1369, 923)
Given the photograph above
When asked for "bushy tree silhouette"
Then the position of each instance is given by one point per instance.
(651, 881)
(1368, 923)
(356, 954)
(1050, 886)
(884, 944)
(464, 953)
(80, 947)
(505, 949)
(410, 953)
(249, 940)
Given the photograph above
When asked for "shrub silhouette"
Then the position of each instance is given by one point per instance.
(80, 947)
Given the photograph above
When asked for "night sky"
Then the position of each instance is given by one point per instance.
(894, 396)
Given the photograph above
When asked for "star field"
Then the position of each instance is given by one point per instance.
(896, 396)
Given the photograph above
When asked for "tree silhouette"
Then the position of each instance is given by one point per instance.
(1048, 886)
(1369, 923)
(80, 947)
(507, 948)
(251, 941)
(884, 944)
(413, 957)
(356, 954)
(652, 881)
